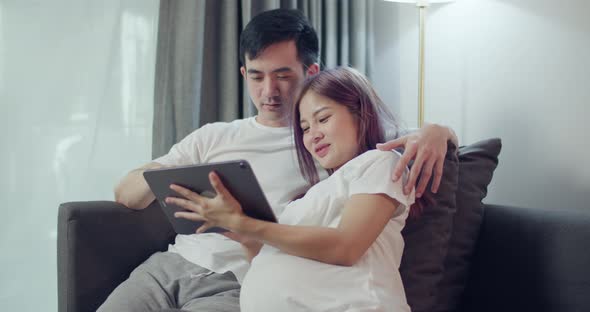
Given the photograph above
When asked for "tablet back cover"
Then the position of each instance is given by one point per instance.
(237, 176)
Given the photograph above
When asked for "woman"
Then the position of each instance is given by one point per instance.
(338, 248)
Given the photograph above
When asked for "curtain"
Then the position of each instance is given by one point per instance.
(197, 63)
(76, 88)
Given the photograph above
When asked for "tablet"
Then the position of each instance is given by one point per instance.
(237, 176)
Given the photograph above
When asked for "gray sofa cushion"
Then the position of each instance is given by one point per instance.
(530, 259)
(477, 163)
(426, 240)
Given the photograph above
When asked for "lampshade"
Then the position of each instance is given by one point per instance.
(422, 3)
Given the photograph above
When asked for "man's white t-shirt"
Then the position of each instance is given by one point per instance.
(271, 154)
(277, 281)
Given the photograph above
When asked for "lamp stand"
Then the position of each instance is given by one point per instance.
(421, 68)
(422, 5)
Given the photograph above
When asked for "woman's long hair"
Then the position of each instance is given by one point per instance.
(350, 88)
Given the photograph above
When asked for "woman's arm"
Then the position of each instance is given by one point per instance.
(363, 219)
(251, 246)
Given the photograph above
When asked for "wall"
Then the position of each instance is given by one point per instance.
(517, 70)
(76, 102)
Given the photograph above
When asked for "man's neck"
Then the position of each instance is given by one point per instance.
(273, 123)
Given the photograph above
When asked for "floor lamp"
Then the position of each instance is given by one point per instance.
(421, 5)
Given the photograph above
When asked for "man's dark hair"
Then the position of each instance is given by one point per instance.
(280, 25)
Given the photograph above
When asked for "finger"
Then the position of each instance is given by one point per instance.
(388, 146)
(438, 173)
(185, 204)
(204, 227)
(186, 193)
(189, 216)
(414, 172)
(403, 162)
(424, 178)
(218, 185)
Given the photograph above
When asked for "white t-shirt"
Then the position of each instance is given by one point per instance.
(278, 281)
(271, 154)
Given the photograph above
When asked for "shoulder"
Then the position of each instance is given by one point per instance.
(371, 163)
(224, 126)
(219, 128)
(370, 173)
(374, 158)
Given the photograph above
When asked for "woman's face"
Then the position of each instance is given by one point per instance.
(329, 130)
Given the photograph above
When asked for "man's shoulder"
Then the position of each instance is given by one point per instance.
(236, 123)
(222, 127)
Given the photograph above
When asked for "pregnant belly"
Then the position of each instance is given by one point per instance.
(281, 282)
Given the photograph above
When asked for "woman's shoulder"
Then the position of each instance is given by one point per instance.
(370, 173)
(375, 156)
(370, 161)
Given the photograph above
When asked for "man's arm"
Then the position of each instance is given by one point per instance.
(428, 147)
(133, 191)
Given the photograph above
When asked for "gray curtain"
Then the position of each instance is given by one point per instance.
(197, 64)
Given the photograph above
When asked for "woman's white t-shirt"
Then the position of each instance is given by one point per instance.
(278, 281)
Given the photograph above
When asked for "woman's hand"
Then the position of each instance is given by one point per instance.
(250, 245)
(223, 210)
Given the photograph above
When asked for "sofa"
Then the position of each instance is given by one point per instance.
(524, 259)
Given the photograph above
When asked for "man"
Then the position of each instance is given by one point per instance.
(278, 49)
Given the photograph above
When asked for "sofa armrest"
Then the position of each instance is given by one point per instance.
(530, 260)
(99, 243)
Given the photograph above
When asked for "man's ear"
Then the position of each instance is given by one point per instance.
(313, 69)
(243, 71)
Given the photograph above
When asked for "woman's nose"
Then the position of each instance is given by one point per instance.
(316, 134)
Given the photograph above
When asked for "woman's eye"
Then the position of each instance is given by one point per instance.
(305, 130)
(324, 119)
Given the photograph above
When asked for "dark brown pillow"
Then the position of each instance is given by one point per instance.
(477, 163)
(426, 240)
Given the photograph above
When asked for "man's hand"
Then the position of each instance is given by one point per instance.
(428, 147)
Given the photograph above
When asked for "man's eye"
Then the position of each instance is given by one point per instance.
(255, 78)
(283, 77)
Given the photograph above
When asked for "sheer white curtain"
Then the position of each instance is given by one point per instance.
(76, 108)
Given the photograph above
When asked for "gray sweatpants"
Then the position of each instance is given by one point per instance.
(167, 281)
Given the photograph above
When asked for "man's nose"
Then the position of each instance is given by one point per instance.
(270, 88)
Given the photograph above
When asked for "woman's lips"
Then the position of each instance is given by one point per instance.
(321, 150)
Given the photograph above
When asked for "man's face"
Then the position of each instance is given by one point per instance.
(273, 80)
